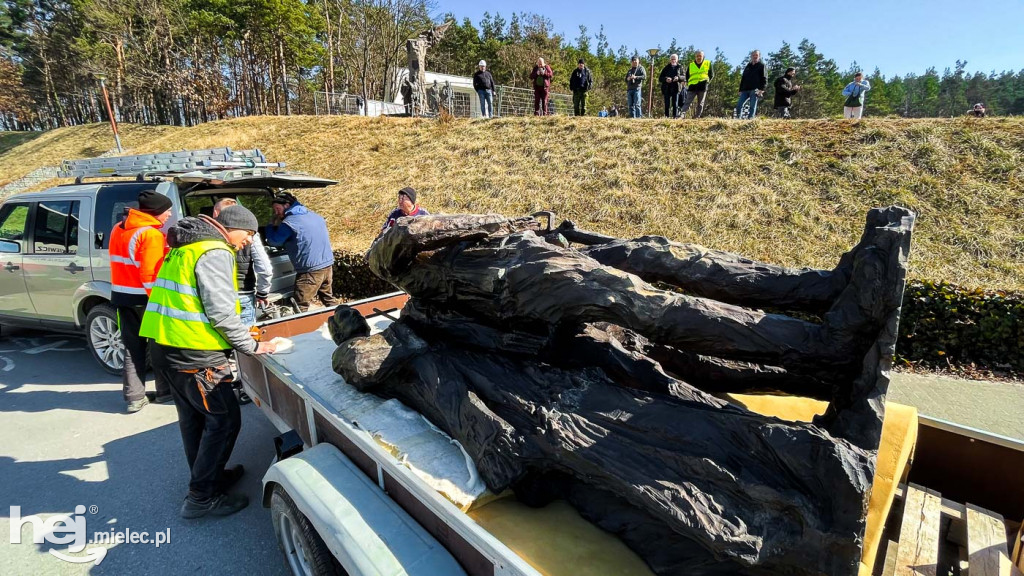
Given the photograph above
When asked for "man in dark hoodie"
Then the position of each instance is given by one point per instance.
(580, 83)
(193, 319)
(784, 92)
(752, 85)
(303, 233)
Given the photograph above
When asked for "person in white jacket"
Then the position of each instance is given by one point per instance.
(853, 108)
(254, 271)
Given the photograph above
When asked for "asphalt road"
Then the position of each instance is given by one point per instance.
(66, 441)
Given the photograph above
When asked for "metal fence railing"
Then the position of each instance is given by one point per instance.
(507, 101)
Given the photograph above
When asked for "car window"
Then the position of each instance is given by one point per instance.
(112, 202)
(258, 204)
(13, 222)
(56, 228)
(196, 205)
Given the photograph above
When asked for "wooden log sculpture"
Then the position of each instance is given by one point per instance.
(565, 374)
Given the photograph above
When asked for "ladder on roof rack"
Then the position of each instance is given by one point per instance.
(143, 165)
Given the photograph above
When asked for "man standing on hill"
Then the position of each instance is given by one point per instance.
(698, 76)
(752, 85)
(853, 108)
(541, 77)
(407, 206)
(671, 78)
(304, 235)
(784, 92)
(193, 320)
(137, 249)
(483, 83)
(579, 84)
(634, 87)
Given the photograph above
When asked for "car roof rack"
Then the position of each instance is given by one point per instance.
(143, 166)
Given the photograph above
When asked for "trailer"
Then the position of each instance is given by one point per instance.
(346, 501)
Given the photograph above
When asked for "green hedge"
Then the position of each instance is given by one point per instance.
(944, 324)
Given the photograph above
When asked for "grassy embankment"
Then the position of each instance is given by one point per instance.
(793, 193)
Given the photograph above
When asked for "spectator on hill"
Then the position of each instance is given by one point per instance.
(634, 87)
(978, 111)
(254, 271)
(579, 84)
(541, 77)
(784, 92)
(483, 83)
(853, 108)
(671, 78)
(698, 76)
(614, 111)
(303, 233)
(752, 85)
(603, 113)
(407, 206)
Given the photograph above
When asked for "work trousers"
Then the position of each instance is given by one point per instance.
(486, 102)
(689, 97)
(579, 103)
(746, 95)
(672, 99)
(634, 100)
(133, 376)
(540, 101)
(315, 284)
(853, 112)
(209, 420)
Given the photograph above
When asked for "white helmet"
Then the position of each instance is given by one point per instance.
(482, 63)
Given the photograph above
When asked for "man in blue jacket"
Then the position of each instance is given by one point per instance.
(303, 234)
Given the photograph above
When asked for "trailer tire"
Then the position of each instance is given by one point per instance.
(305, 551)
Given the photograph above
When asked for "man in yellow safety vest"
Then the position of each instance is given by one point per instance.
(192, 317)
(698, 76)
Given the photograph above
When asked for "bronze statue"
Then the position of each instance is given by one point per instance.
(416, 48)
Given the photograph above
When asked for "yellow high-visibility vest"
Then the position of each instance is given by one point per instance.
(175, 315)
(699, 73)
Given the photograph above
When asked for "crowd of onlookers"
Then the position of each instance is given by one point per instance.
(684, 87)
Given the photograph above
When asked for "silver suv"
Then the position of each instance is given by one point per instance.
(54, 264)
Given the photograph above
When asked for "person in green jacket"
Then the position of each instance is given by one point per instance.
(193, 319)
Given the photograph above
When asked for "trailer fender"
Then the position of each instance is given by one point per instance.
(366, 531)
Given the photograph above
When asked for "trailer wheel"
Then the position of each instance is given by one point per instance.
(304, 549)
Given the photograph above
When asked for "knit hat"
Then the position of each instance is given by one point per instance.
(152, 203)
(482, 63)
(238, 217)
(284, 198)
(410, 192)
(580, 61)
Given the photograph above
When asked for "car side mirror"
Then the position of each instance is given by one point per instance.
(8, 247)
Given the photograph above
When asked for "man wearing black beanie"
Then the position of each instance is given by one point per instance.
(407, 206)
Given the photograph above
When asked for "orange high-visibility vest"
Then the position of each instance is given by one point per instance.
(137, 248)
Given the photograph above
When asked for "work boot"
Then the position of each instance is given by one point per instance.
(219, 505)
(137, 405)
(231, 476)
(163, 399)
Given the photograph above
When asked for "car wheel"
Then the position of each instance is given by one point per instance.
(104, 338)
(304, 549)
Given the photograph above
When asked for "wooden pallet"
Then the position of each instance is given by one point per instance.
(933, 527)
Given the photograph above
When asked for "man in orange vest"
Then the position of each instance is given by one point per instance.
(137, 248)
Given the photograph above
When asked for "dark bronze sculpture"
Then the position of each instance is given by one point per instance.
(416, 50)
(565, 374)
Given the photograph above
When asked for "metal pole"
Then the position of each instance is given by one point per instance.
(110, 114)
(650, 99)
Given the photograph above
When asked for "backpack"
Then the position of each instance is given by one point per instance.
(539, 80)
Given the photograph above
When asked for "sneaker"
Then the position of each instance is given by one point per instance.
(219, 505)
(164, 399)
(137, 405)
(231, 476)
(243, 398)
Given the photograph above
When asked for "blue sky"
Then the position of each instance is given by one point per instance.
(897, 36)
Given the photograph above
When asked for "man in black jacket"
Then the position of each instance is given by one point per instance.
(634, 84)
(752, 85)
(483, 83)
(580, 83)
(784, 91)
(670, 79)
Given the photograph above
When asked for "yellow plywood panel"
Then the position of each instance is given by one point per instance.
(557, 541)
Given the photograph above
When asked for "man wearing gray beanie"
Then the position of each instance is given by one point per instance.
(193, 319)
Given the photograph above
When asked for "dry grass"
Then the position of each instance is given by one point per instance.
(793, 193)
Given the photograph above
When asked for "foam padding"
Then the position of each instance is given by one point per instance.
(557, 541)
(899, 436)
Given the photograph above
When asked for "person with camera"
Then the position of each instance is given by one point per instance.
(579, 84)
(634, 87)
(671, 79)
(541, 78)
(752, 85)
